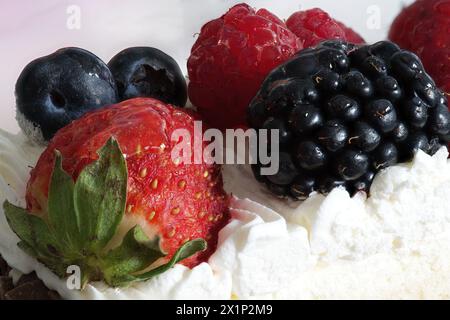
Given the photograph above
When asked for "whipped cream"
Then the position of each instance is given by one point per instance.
(394, 244)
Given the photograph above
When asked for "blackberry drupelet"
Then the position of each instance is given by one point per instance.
(345, 113)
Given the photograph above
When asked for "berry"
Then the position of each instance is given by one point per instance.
(56, 89)
(285, 175)
(315, 25)
(423, 28)
(366, 117)
(148, 72)
(176, 200)
(230, 59)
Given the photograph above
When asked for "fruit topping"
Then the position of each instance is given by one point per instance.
(379, 109)
(82, 201)
(315, 25)
(230, 59)
(56, 89)
(148, 72)
(423, 28)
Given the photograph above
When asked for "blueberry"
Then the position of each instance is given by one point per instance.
(310, 155)
(381, 113)
(387, 87)
(406, 65)
(357, 84)
(56, 89)
(385, 155)
(364, 137)
(286, 171)
(302, 186)
(384, 49)
(352, 164)
(148, 72)
(333, 135)
(305, 118)
(283, 132)
(415, 112)
(400, 133)
(344, 108)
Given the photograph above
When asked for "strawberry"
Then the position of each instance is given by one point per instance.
(167, 199)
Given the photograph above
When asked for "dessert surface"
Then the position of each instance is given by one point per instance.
(111, 189)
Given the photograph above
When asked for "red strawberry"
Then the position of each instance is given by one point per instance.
(176, 201)
(315, 25)
(230, 59)
(423, 28)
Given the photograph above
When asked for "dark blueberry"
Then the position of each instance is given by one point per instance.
(439, 120)
(363, 184)
(344, 108)
(148, 72)
(381, 113)
(387, 87)
(406, 65)
(357, 84)
(303, 186)
(374, 67)
(257, 113)
(310, 155)
(400, 133)
(286, 170)
(415, 112)
(286, 94)
(343, 46)
(426, 89)
(384, 49)
(352, 164)
(414, 142)
(327, 183)
(327, 81)
(364, 137)
(305, 118)
(333, 59)
(385, 155)
(283, 132)
(54, 90)
(333, 135)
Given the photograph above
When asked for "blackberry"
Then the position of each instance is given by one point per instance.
(345, 113)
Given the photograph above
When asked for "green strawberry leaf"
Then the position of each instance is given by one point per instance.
(185, 251)
(63, 217)
(32, 230)
(136, 253)
(100, 196)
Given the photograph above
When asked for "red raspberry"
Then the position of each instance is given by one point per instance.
(230, 59)
(315, 25)
(423, 27)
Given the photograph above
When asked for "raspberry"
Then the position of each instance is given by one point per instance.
(423, 28)
(230, 59)
(315, 25)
